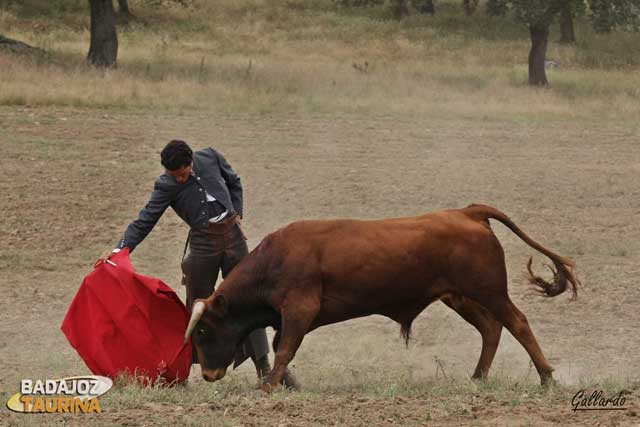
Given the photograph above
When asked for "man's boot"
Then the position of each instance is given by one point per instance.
(263, 369)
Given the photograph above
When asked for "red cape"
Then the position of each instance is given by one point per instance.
(122, 322)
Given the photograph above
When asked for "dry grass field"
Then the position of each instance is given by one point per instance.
(441, 119)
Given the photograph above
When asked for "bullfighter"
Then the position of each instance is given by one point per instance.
(206, 193)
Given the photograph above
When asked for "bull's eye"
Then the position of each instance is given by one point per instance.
(201, 331)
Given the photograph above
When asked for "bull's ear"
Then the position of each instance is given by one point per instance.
(219, 306)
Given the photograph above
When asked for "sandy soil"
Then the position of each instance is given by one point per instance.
(74, 178)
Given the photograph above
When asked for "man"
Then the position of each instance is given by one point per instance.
(206, 193)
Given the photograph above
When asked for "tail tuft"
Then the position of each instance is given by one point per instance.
(405, 331)
(562, 275)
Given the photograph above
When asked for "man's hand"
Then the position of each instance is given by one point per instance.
(103, 258)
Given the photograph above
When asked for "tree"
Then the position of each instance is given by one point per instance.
(538, 15)
(497, 7)
(425, 6)
(567, 33)
(123, 7)
(568, 11)
(103, 51)
(399, 8)
(124, 13)
(607, 14)
(469, 6)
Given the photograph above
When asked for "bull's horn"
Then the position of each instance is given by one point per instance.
(197, 312)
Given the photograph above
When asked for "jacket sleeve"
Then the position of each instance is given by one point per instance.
(233, 183)
(147, 218)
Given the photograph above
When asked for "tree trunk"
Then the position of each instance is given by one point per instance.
(124, 14)
(469, 6)
(103, 51)
(567, 34)
(123, 7)
(537, 55)
(496, 7)
(427, 7)
(399, 8)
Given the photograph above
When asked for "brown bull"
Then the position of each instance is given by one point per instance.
(314, 273)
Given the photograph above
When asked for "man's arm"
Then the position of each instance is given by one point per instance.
(233, 183)
(147, 218)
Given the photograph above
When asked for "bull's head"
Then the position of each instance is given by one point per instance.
(214, 336)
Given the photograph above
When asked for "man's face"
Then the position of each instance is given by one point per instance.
(181, 175)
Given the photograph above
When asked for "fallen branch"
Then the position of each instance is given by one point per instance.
(18, 46)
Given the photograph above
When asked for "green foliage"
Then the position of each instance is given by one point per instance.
(399, 8)
(578, 7)
(160, 3)
(537, 13)
(497, 7)
(358, 3)
(465, 79)
(469, 6)
(606, 51)
(604, 14)
(608, 14)
(51, 8)
(425, 6)
(177, 56)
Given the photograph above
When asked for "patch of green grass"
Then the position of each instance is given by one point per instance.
(450, 18)
(619, 252)
(610, 385)
(617, 49)
(470, 80)
(31, 144)
(574, 85)
(518, 77)
(49, 9)
(301, 53)
(127, 394)
(14, 100)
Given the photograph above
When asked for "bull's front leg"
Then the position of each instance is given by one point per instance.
(279, 371)
(296, 320)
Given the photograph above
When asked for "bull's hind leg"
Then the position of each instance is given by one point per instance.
(516, 322)
(490, 329)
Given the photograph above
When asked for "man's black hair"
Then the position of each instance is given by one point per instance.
(176, 155)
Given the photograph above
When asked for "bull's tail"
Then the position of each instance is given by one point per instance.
(563, 274)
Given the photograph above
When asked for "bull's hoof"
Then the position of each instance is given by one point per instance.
(290, 381)
(548, 381)
(266, 387)
(479, 377)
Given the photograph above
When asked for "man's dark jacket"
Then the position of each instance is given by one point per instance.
(211, 173)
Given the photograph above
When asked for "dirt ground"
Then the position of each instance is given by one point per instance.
(72, 179)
